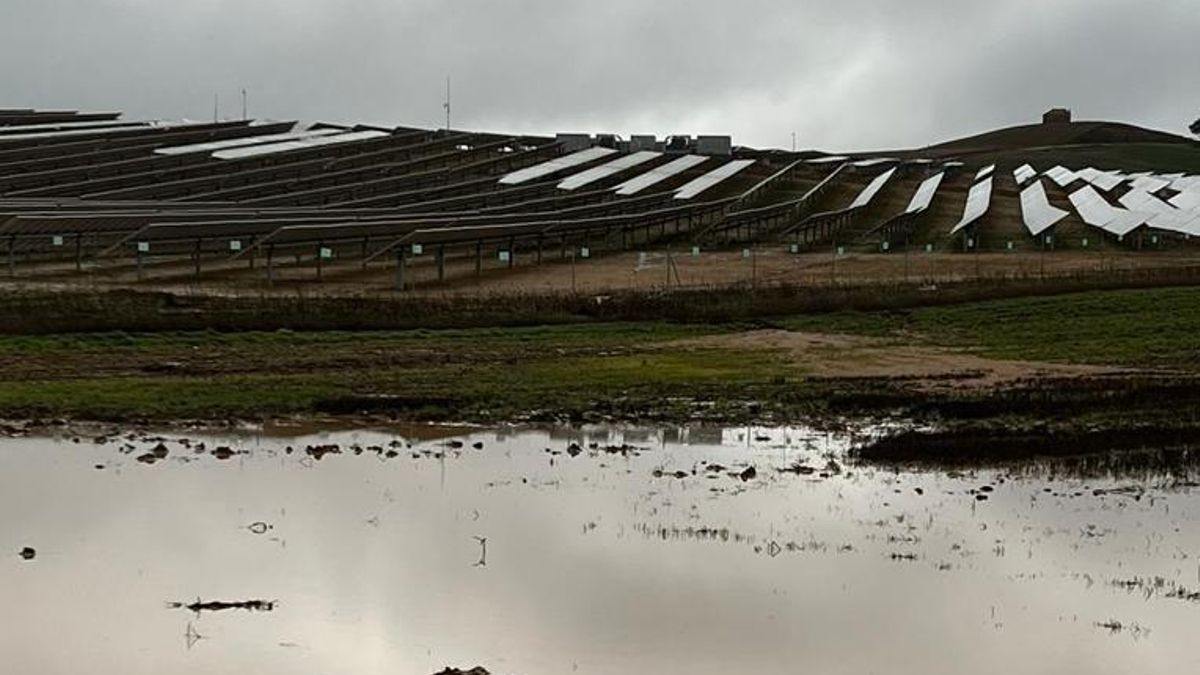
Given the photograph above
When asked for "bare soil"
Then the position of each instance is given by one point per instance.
(927, 368)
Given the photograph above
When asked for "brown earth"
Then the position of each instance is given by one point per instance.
(925, 368)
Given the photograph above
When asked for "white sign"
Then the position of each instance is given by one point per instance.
(505, 256)
(1085, 242)
(235, 245)
(585, 252)
(1009, 245)
(695, 251)
(929, 248)
(794, 248)
(143, 247)
(57, 240)
(841, 250)
(886, 245)
(417, 249)
(745, 253)
(970, 242)
(326, 253)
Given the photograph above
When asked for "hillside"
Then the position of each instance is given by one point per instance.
(1053, 135)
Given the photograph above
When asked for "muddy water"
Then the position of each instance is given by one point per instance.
(596, 563)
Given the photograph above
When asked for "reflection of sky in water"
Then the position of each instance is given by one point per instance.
(592, 562)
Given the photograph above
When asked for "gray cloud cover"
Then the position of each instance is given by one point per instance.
(852, 74)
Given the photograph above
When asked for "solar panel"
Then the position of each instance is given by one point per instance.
(876, 161)
(1097, 212)
(712, 178)
(1150, 183)
(985, 172)
(64, 126)
(212, 146)
(1024, 174)
(1062, 176)
(300, 144)
(1186, 184)
(1037, 211)
(1163, 216)
(658, 174)
(979, 199)
(864, 198)
(925, 193)
(603, 171)
(1104, 180)
(135, 128)
(1187, 200)
(555, 165)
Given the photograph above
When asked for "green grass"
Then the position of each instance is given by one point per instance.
(618, 369)
(1145, 328)
(562, 336)
(165, 397)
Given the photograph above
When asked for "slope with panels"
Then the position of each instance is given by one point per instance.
(1037, 212)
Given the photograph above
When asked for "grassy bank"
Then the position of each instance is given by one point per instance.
(38, 312)
(647, 371)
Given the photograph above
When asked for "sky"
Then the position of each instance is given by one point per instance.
(845, 75)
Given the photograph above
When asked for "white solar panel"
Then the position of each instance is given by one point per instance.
(1186, 183)
(299, 144)
(212, 146)
(712, 178)
(979, 199)
(875, 161)
(1104, 180)
(102, 131)
(555, 165)
(605, 170)
(1150, 183)
(925, 193)
(1138, 199)
(1187, 200)
(1062, 176)
(1024, 174)
(1097, 212)
(658, 174)
(985, 172)
(1037, 211)
(864, 198)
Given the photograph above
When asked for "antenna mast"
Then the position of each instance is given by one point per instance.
(446, 105)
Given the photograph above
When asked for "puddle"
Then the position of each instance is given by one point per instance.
(537, 552)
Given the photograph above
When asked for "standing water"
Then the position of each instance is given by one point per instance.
(600, 550)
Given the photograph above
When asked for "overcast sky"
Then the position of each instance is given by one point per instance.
(845, 75)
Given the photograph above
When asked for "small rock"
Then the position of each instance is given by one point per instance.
(748, 474)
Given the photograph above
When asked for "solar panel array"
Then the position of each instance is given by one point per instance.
(979, 200)
(713, 178)
(1037, 212)
(79, 185)
(925, 193)
(864, 198)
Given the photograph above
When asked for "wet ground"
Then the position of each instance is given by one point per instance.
(592, 551)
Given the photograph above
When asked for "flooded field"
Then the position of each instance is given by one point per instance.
(600, 550)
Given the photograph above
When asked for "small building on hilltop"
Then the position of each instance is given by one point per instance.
(1057, 116)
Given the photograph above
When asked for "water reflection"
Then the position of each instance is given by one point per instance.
(593, 550)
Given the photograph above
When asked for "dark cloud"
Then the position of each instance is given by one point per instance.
(848, 75)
